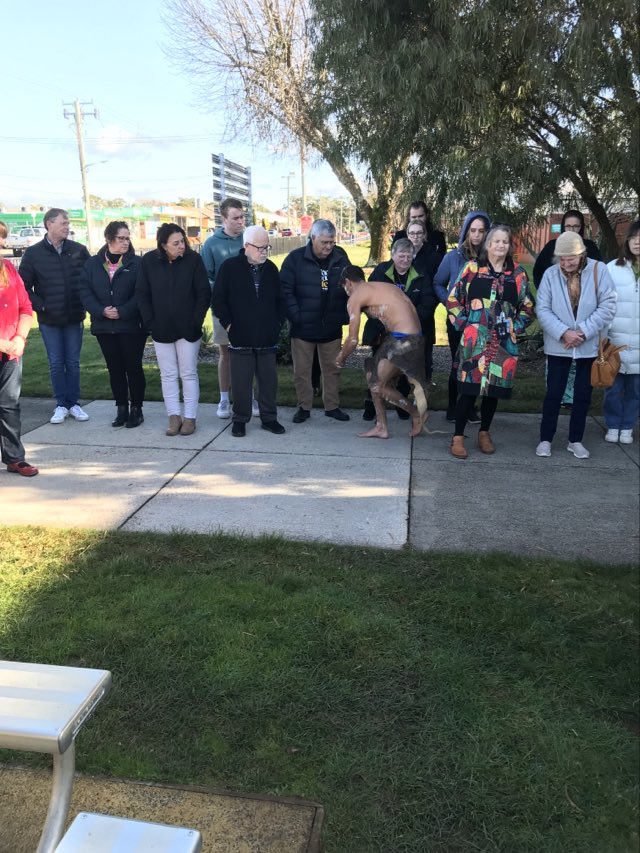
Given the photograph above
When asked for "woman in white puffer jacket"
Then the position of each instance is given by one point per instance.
(622, 400)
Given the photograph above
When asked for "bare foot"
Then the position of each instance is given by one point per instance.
(417, 424)
(377, 432)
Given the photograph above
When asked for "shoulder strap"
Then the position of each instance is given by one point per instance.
(595, 275)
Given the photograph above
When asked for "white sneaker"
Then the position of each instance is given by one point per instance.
(78, 413)
(612, 436)
(59, 415)
(543, 449)
(224, 409)
(578, 450)
(626, 436)
(255, 408)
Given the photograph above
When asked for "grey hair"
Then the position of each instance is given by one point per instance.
(402, 245)
(322, 226)
(52, 214)
(253, 231)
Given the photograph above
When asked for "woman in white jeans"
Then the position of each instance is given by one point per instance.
(173, 295)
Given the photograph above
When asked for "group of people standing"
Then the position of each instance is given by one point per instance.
(167, 292)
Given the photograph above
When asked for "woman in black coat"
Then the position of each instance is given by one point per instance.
(173, 293)
(107, 288)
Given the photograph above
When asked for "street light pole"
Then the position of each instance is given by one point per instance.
(287, 178)
(78, 115)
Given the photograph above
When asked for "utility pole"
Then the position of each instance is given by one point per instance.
(287, 178)
(78, 114)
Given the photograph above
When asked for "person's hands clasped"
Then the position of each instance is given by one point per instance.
(111, 313)
(16, 346)
(572, 338)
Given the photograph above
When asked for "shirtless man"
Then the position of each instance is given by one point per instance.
(401, 350)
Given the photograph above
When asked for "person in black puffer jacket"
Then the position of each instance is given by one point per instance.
(50, 271)
(317, 310)
(173, 295)
(107, 287)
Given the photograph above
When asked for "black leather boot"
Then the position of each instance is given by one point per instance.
(121, 417)
(135, 417)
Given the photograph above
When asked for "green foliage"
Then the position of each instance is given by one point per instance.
(503, 105)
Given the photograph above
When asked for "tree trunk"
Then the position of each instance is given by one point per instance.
(379, 229)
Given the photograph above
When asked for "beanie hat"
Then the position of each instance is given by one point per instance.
(569, 243)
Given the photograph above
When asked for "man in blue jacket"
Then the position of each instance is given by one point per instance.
(50, 270)
(317, 309)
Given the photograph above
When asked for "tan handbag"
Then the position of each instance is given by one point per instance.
(607, 364)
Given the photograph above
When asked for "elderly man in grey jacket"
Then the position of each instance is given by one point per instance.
(576, 303)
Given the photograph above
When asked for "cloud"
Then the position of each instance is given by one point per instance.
(115, 141)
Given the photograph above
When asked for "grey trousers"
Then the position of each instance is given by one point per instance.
(245, 364)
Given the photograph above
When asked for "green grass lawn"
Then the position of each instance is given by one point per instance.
(430, 702)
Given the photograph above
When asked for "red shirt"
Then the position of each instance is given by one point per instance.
(13, 302)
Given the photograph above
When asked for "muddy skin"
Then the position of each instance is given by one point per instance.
(379, 431)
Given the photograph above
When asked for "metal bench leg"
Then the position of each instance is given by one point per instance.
(62, 785)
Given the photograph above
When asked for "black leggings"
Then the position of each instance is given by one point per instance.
(464, 407)
(123, 354)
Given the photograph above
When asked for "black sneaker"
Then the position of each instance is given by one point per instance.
(239, 430)
(337, 415)
(301, 415)
(369, 413)
(474, 417)
(274, 427)
(403, 414)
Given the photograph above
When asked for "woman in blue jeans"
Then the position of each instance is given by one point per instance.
(576, 302)
(621, 401)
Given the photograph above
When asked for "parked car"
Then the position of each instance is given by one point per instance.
(287, 232)
(24, 238)
(273, 232)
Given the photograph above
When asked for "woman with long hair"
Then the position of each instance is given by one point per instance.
(173, 293)
(474, 230)
(490, 305)
(622, 400)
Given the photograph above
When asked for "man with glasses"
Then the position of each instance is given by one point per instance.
(317, 310)
(247, 298)
(50, 270)
(225, 242)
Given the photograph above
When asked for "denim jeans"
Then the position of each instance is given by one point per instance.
(10, 383)
(63, 345)
(558, 368)
(622, 402)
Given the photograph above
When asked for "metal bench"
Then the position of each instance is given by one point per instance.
(97, 833)
(42, 708)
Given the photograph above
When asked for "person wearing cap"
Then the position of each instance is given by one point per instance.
(576, 303)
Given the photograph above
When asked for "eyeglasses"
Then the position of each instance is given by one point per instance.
(123, 239)
(415, 233)
(263, 249)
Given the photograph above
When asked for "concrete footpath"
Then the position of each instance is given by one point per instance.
(320, 481)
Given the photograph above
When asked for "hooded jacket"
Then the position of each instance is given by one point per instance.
(454, 261)
(216, 249)
(51, 280)
(545, 258)
(173, 297)
(625, 326)
(316, 313)
(97, 292)
(596, 309)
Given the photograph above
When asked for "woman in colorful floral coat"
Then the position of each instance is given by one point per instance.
(490, 305)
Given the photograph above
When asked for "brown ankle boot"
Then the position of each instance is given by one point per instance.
(175, 422)
(188, 426)
(484, 442)
(457, 447)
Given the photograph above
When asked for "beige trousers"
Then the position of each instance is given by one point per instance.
(302, 352)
